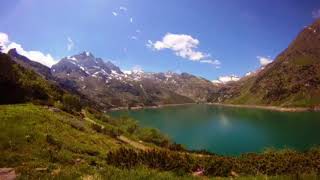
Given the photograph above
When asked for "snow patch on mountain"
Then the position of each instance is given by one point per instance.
(72, 58)
(248, 73)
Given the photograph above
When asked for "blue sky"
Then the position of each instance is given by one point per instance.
(208, 38)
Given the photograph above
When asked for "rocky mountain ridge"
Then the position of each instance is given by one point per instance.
(293, 79)
(105, 82)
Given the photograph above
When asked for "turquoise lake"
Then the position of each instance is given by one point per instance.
(229, 130)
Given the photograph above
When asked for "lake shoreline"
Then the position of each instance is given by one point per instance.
(150, 107)
(272, 108)
(209, 126)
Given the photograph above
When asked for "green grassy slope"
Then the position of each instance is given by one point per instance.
(18, 84)
(40, 143)
(46, 143)
(292, 80)
(34, 137)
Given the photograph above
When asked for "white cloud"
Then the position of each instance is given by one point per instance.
(131, 20)
(137, 69)
(70, 44)
(226, 79)
(264, 60)
(214, 62)
(122, 8)
(182, 45)
(134, 37)
(138, 31)
(4, 39)
(149, 44)
(316, 14)
(45, 59)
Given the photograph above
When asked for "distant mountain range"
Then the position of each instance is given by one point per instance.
(105, 84)
(110, 87)
(293, 79)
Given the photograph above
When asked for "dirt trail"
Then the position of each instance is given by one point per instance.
(134, 144)
(121, 138)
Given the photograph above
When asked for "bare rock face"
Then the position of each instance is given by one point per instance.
(107, 85)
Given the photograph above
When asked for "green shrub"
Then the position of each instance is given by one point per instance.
(58, 104)
(162, 160)
(176, 147)
(271, 163)
(71, 103)
(110, 131)
(153, 136)
(52, 141)
(97, 128)
(79, 125)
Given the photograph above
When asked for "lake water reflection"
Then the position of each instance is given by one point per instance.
(229, 130)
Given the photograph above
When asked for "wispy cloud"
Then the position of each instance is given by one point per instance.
(45, 59)
(264, 60)
(122, 8)
(214, 62)
(70, 44)
(149, 44)
(134, 37)
(119, 11)
(184, 46)
(316, 14)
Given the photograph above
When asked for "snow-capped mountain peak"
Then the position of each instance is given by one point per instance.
(86, 64)
(72, 58)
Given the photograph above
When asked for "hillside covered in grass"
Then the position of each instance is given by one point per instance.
(45, 142)
(42, 142)
(18, 84)
(292, 80)
(47, 132)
